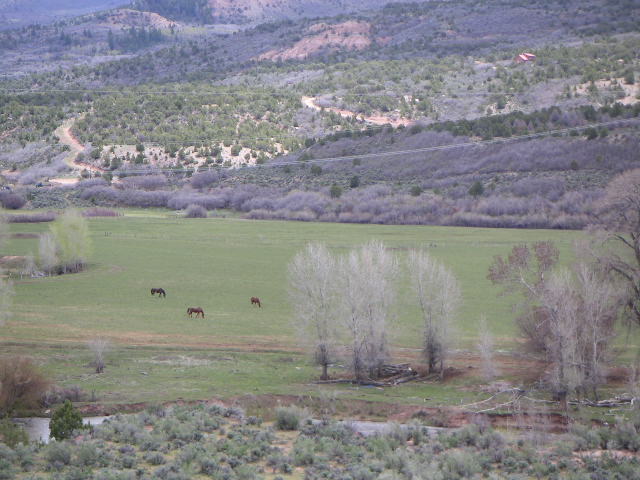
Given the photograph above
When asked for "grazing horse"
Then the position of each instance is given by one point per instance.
(196, 310)
(159, 291)
(256, 301)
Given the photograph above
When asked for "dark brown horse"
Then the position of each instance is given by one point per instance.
(159, 291)
(196, 310)
(255, 301)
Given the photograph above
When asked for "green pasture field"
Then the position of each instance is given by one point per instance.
(160, 354)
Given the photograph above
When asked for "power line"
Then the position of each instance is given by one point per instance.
(405, 152)
(465, 144)
(204, 142)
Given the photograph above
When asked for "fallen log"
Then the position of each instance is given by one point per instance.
(410, 378)
(618, 401)
(362, 383)
(389, 370)
(337, 380)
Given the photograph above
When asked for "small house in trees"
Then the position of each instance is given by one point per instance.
(524, 57)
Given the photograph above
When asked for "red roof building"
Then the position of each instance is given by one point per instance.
(525, 57)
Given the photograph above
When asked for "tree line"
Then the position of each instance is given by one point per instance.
(567, 315)
(344, 305)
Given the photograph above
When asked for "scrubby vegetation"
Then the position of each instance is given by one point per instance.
(551, 182)
(401, 113)
(209, 441)
(23, 384)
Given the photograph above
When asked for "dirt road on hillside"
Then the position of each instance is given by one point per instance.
(310, 102)
(66, 137)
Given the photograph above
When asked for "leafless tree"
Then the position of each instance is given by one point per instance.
(561, 306)
(99, 347)
(569, 316)
(439, 296)
(312, 277)
(599, 304)
(4, 231)
(367, 294)
(523, 273)
(619, 217)
(48, 252)
(6, 299)
(22, 384)
(6, 286)
(486, 349)
(29, 268)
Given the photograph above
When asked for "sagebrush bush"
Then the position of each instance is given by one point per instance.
(57, 454)
(109, 474)
(304, 453)
(289, 418)
(195, 211)
(154, 458)
(626, 436)
(25, 456)
(7, 453)
(128, 461)
(7, 470)
(86, 455)
(209, 466)
(11, 435)
(459, 465)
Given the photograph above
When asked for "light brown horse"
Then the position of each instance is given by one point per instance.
(196, 310)
(256, 301)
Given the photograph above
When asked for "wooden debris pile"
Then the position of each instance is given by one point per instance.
(617, 401)
(390, 374)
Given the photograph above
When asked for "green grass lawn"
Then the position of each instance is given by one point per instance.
(218, 264)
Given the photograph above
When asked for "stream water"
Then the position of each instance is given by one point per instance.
(38, 427)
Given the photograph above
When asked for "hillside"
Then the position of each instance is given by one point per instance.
(325, 212)
(253, 11)
(428, 30)
(19, 13)
(146, 93)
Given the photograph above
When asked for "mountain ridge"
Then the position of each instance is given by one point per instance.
(254, 11)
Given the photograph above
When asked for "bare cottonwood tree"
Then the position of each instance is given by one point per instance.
(99, 347)
(619, 217)
(312, 277)
(29, 268)
(6, 299)
(6, 286)
(523, 273)
(367, 295)
(561, 307)
(599, 304)
(583, 307)
(4, 231)
(47, 252)
(439, 297)
(486, 349)
(569, 315)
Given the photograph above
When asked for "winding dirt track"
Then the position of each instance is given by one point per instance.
(310, 102)
(66, 137)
